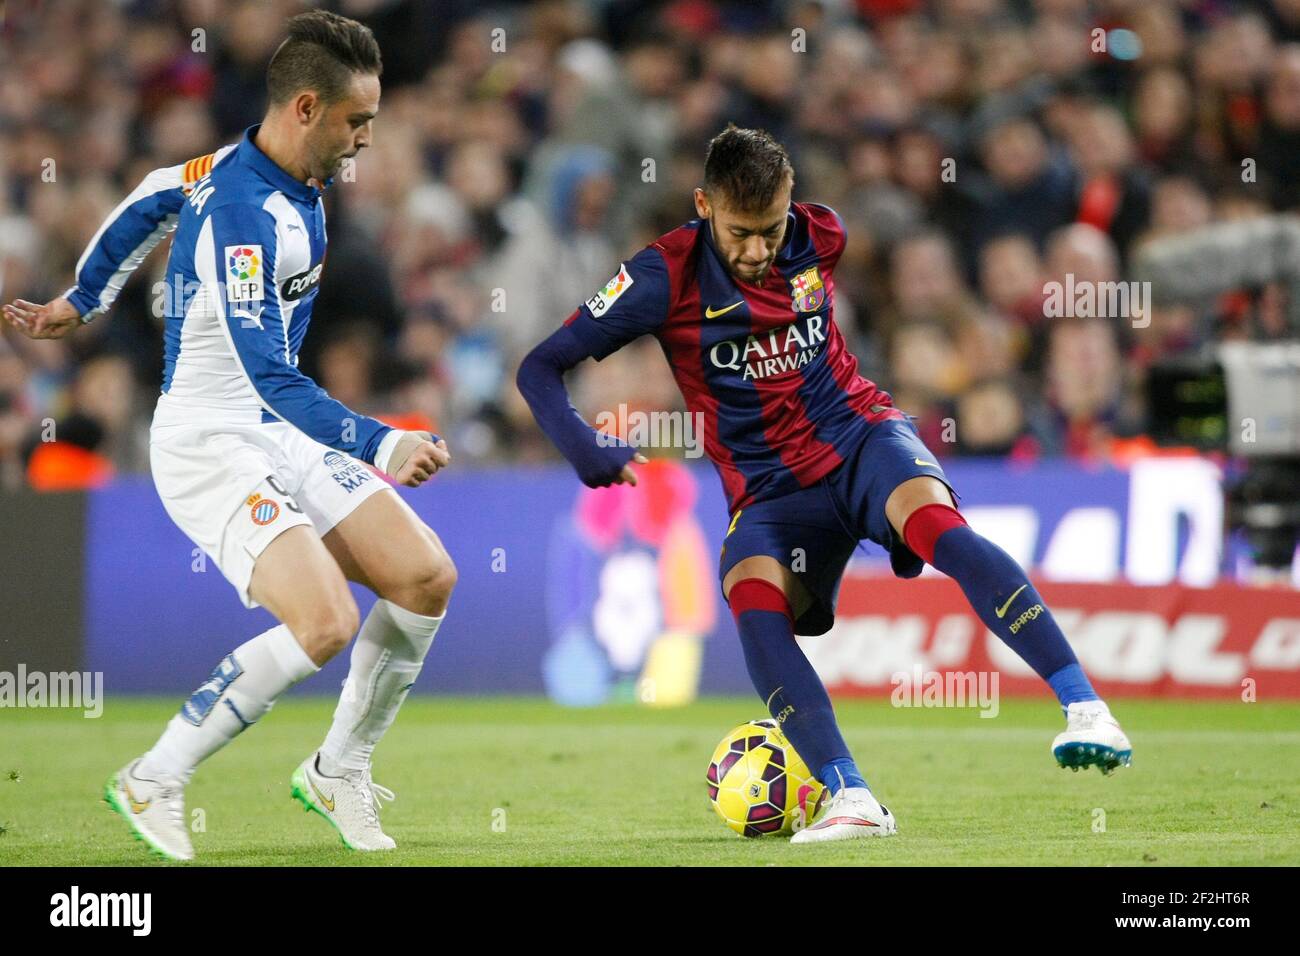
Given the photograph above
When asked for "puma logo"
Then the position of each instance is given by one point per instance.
(249, 318)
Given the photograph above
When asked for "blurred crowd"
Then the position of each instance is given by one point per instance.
(977, 150)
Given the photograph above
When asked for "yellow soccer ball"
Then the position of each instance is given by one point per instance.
(759, 785)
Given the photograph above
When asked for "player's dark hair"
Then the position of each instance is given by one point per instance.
(747, 167)
(321, 53)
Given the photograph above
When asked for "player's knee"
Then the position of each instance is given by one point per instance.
(445, 578)
(435, 580)
(425, 584)
(328, 628)
(337, 629)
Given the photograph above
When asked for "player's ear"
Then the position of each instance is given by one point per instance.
(702, 204)
(307, 106)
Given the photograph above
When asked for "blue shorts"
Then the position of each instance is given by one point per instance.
(814, 531)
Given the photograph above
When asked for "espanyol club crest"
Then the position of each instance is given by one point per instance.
(264, 509)
(807, 291)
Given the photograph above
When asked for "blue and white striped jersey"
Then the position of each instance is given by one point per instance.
(243, 274)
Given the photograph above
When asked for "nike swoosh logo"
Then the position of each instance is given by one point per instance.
(847, 821)
(328, 803)
(773, 694)
(1001, 612)
(928, 464)
(711, 313)
(136, 805)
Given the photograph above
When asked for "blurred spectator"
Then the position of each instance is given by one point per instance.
(1011, 278)
(1179, 205)
(104, 393)
(556, 255)
(347, 363)
(1084, 389)
(1028, 186)
(926, 281)
(1279, 141)
(1114, 194)
(1162, 117)
(992, 421)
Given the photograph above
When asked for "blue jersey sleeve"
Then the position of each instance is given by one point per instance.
(597, 458)
(131, 232)
(633, 303)
(124, 239)
(251, 311)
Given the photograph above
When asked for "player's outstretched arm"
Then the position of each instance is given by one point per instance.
(123, 240)
(599, 459)
(131, 231)
(633, 303)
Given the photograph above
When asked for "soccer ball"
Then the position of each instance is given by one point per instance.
(759, 785)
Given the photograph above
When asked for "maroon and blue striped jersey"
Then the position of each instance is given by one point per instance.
(779, 392)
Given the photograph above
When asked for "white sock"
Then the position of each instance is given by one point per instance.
(386, 659)
(240, 692)
(1089, 707)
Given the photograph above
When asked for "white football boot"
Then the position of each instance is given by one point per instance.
(350, 803)
(851, 814)
(155, 810)
(1092, 738)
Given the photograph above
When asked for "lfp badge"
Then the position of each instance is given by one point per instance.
(244, 273)
(600, 302)
(807, 291)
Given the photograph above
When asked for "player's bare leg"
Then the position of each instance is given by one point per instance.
(384, 546)
(922, 511)
(766, 599)
(296, 580)
(763, 568)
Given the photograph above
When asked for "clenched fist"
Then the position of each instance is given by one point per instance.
(417, 458)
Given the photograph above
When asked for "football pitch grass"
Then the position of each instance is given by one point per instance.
(516, 781)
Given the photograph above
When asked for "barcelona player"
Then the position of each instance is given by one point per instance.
(812, 456)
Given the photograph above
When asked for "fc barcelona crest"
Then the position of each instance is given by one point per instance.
(807, 291)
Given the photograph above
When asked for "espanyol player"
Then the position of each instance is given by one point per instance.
(253, 460)
(812, 456)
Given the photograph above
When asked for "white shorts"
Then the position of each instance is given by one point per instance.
(234, 488)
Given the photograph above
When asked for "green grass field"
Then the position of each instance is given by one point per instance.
(1211, 784)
